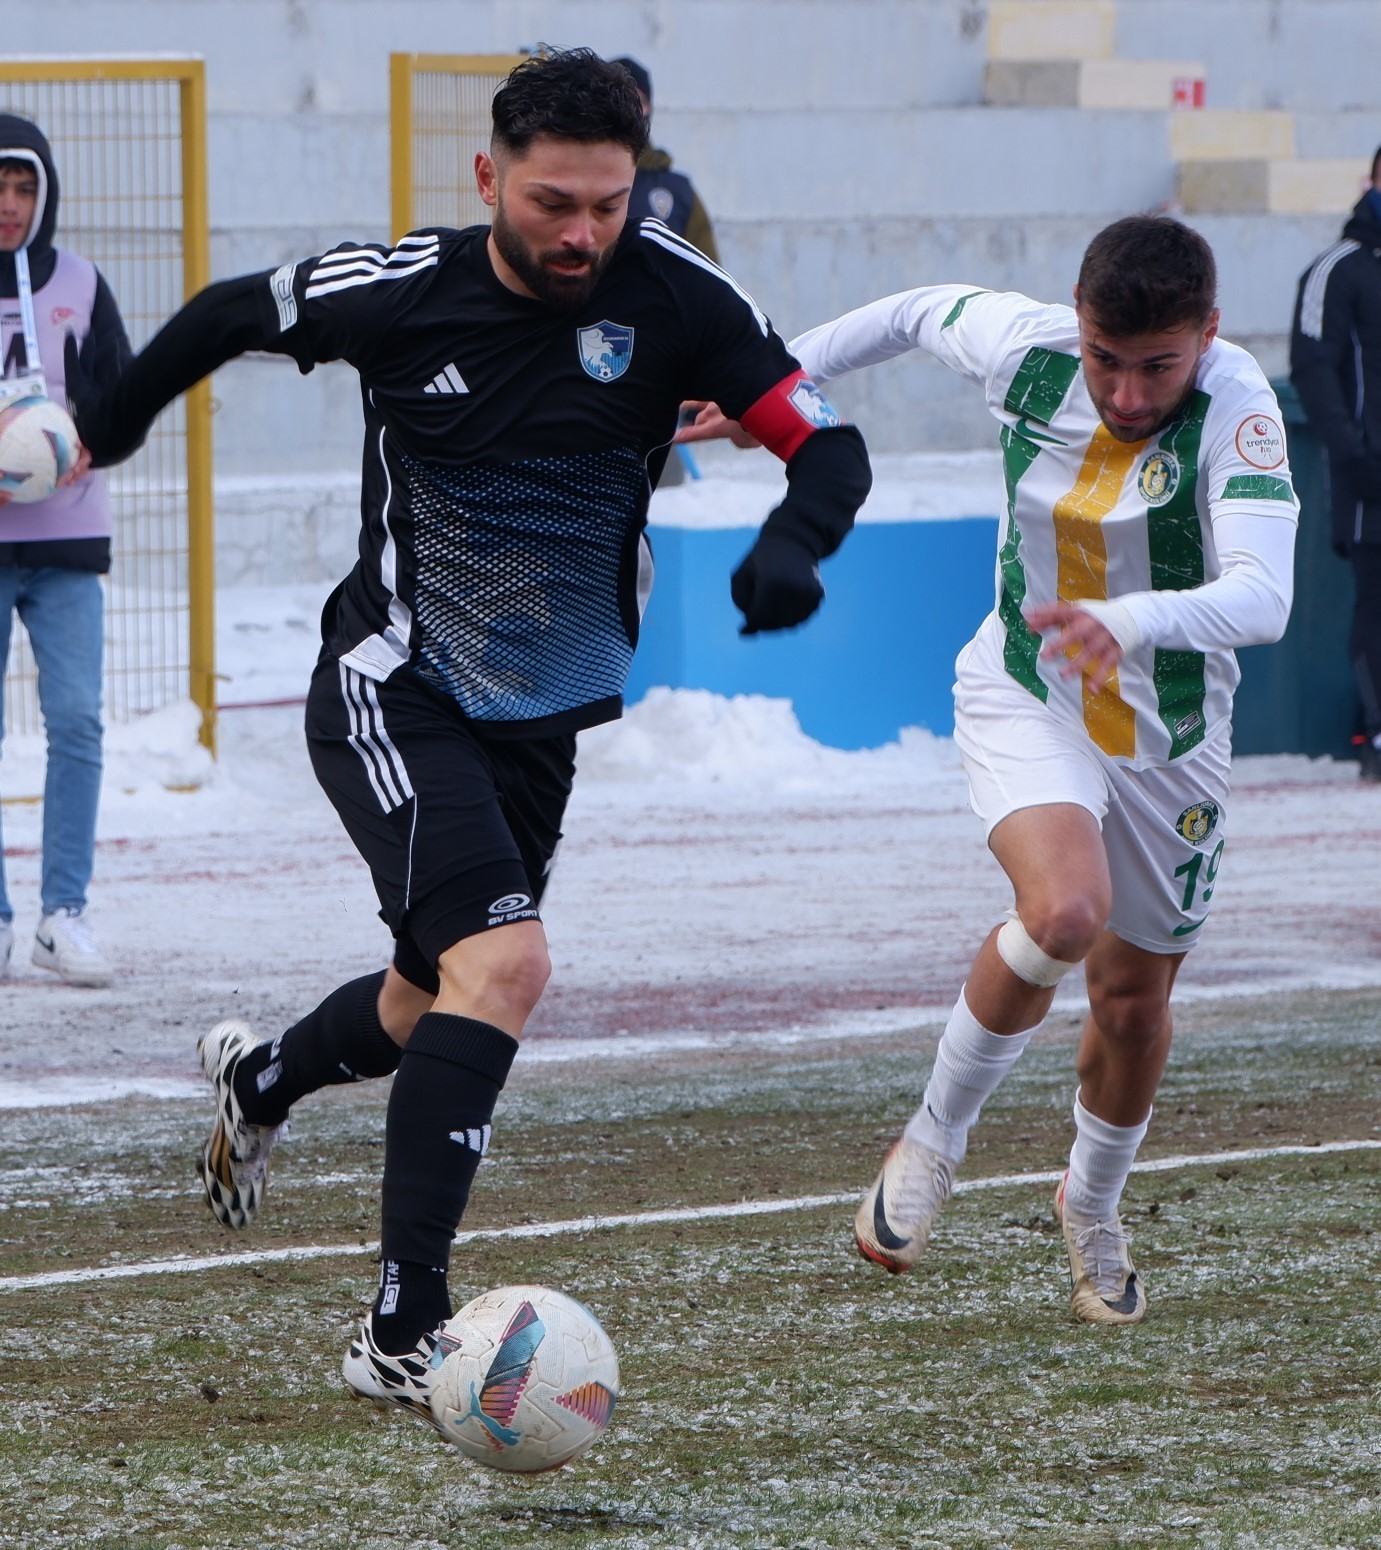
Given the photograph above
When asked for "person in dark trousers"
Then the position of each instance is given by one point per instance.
(520, 386)
(54, 551)
(1335, 365)
(658, 191)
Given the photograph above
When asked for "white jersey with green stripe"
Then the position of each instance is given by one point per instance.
(1180, 543)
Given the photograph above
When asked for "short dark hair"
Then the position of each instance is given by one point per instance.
(1145, 274)
(18, 164)
(1375, 163)
(571, 94)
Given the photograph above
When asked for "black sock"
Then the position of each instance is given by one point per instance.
(439, 1113)
(412, 1300)
(342, 1041)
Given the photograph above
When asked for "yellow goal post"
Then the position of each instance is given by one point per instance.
(129, 140)
(438, 118)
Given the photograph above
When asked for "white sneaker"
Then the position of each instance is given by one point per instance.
(394, 1382)
(234, 1160)
(892, 1224)
(6, 946)
(63, 943)
(1104, 1285)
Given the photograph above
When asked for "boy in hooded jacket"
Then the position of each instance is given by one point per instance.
(53, 552)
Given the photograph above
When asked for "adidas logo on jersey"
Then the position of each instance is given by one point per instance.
(447, 381)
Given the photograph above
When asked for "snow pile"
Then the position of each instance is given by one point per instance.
(694, 738)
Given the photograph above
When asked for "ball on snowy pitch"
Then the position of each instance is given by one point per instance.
(38, 445)
(528, 1379)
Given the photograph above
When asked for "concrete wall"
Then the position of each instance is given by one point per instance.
(840, 146)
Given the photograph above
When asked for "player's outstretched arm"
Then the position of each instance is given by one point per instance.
(778, 586)
(219, 323)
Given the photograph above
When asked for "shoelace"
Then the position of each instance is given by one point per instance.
(1103, 1249)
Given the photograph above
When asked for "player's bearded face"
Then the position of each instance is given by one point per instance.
(1139, 382)
(559, 209)
(563, 277)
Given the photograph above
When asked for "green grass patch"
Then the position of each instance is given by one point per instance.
(778, 1390)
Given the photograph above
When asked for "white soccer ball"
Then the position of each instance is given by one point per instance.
(528, 1379)
(38, 445)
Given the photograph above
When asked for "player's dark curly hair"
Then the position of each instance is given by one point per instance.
(573, 94)
(1145, 274)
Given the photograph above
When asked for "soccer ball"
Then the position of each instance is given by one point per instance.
(528, 1379)
(38, 445)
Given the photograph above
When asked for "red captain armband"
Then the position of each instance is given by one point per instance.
(786, 415)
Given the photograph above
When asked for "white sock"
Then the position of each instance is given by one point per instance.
(969, 1064)
(1099, 1162)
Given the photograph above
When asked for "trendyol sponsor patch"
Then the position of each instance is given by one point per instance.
(1261, 442)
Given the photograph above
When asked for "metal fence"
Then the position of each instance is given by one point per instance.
(438, 119)
(129, 141)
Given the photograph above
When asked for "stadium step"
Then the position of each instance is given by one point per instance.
(1231, 135)
(1051, 29)
(1266, 185)
(1137, 84)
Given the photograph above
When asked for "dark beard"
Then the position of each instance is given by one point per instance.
(565, 293)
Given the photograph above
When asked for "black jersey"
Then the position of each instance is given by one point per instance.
(510, 451)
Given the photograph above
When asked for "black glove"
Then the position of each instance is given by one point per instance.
(93, 411)
(777, 586)
(1363, 471)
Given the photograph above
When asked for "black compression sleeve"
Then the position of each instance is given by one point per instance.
(827, 480)
(219, 323)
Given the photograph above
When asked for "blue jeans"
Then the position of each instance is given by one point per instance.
(64, 613)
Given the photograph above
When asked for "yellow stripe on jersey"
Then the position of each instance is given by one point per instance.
(1082, 556)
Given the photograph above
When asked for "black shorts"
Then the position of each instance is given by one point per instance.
(458, 829)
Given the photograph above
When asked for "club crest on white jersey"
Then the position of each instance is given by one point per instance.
(605, 350)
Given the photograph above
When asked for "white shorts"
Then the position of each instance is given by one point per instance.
(1163, 828)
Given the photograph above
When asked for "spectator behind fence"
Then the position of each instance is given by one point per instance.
(659, 191)
(54, 551)
(1335, 365)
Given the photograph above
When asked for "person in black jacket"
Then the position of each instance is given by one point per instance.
(520, 385)
(54, 551)
(1335, 365)
(660, 192)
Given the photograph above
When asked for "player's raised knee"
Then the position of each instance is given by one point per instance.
(1029, 960)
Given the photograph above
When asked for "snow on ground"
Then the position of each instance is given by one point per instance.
(723, 877)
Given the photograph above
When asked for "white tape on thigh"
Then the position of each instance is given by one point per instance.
(1027, 961)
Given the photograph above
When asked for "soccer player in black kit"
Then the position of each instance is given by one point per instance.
(520, 387)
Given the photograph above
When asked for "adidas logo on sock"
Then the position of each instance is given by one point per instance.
(447, 381)
(476, 1140)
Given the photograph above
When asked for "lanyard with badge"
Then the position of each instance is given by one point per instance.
(31, 382)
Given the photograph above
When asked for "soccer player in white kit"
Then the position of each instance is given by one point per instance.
(1149, 531)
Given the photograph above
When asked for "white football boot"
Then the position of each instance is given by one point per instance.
(1104, 1285)
(63, 944)
(234, 1160)
(394, 1382)
(892, 1224)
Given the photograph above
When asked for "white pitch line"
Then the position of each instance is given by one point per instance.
(579, 1224)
